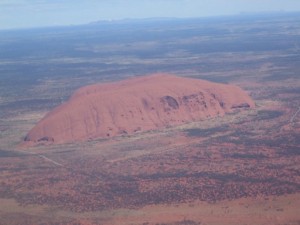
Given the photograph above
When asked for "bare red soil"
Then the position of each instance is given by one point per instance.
(137, 104)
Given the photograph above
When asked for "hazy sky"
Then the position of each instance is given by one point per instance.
(35, 13)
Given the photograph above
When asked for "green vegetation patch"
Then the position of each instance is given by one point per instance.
(198, 132)
(269, 114)
(290, 151)
(247, 156)
(6, 153)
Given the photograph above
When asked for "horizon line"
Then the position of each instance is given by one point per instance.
(157, 18)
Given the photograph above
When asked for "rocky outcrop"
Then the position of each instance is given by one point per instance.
(137, 104)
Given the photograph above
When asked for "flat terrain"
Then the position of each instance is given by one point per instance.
(242, 168)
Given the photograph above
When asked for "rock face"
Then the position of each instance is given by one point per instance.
(137, 104)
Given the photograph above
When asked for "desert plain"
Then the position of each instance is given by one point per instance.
(238, 168)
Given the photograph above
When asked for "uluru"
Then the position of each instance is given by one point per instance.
(143, 103)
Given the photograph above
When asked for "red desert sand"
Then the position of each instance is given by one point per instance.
(137, 104)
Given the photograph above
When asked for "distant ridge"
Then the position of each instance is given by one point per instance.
(242, 15)
(125, 20)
